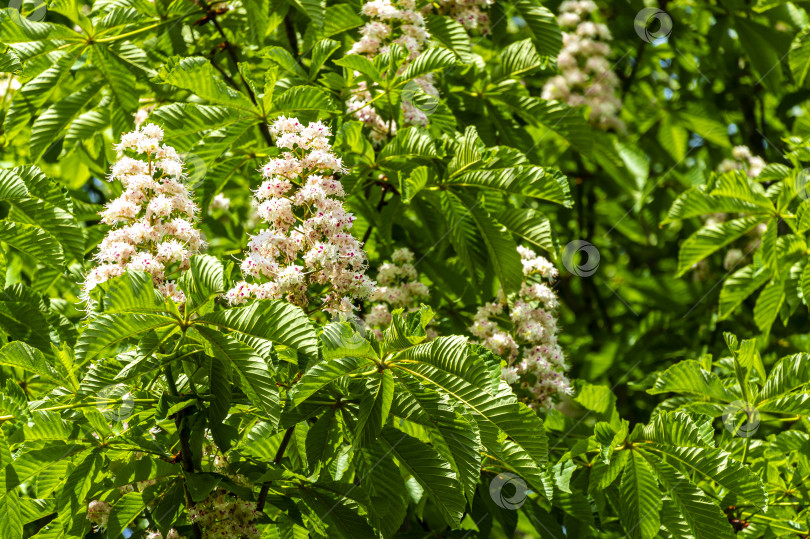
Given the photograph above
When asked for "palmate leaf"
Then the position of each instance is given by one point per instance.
(384, 484)
(375, 405)
(502, 250)
(133, 292)
(323, 440)
(640, 501)
(696, 202)
(430, 60)
(451, 34)
(526, 180)
(124, 512)
(361, 64)
(432, 472)
(717, 466)
(673, 428)
(530, 225)
(253, 375)
(50, 124)
(30, 464)
(455, 436)
(710, 239)
(409, 144)
(799, 57)
(326, 372)
(196, 74)
(688, 377)
(275, 321)
(502, 412)
(739, 286)
(542, 24)
(118, 75)
(57, 222)
(703, 517)
(34, 241)
(304, 98)
(517, 60)
(110, 330)
(20, 355)
(768, 304)
(204, 280)
(337, 514)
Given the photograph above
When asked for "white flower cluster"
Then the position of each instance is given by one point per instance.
(743, 159)
(308, 249)
(537, 371)
(586, 77)
(222, 514)
(398, 286)
(98, 513)
(469, 13)
(152, 220)
(391, 21)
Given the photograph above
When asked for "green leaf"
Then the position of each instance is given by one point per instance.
(275, 321)
(433, 473)
(374, 406)
(640, 499)
(323, 440)
(451, 34)
(124, 512)
(717, 466)
(196, 74)
(688, 377)
(326, 372)
(799, 57)
(711, 238)
(50, 124)
(738, 286)
(304, 98)
(133, 291)
(204, 281)
(34, 241)
(429, 60)
(543, 26)
(20, 355)
(361, 64)
(110, 330)
(501, 247)
(768, 304)
(11, 525)
(254, 376)
(699, 512)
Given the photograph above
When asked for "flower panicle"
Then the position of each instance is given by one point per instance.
(307, 246)
(153, 219)
(535, 360)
